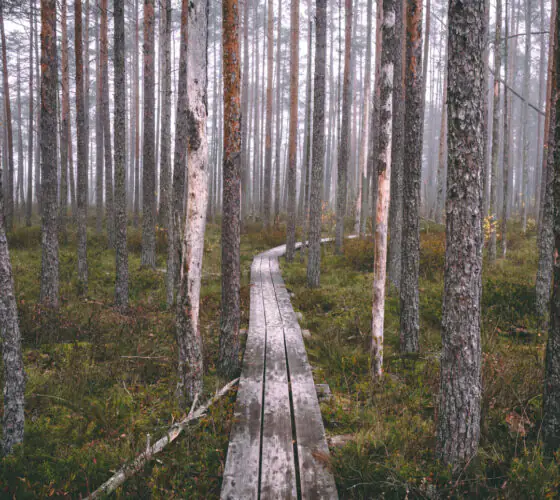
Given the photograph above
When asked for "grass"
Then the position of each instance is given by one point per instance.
(89, 404)
(389, 452)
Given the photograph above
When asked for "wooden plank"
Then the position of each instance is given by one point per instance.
(316, 481)
(242, 469)
(278, 475)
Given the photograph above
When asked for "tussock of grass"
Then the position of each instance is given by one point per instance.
(392, 453)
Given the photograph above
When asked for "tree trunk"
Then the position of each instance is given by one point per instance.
(525, 117)
(148, 144)
(20, 190)
(388, 54)
(106, 121)
(121, 257)
(174, 235)
(9, 188)
(49, 204)
(344, 148)
(551, 397)
(229, 326)
(278, 131)
(397, 149)
(29, 205)
(14, 376)
(318, 157)
(82, 152)
(136, 215)
(495, 133)
(412, 171)
(292, 141)
(98, 135)
(267, 199)
(458, 428)
(165, 140)
(188, 334)
(545, 241)
(64, 136)
(245, 154)
(505, 163)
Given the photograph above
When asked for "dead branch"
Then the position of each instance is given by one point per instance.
(133, 467)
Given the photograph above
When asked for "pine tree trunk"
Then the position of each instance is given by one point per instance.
(412, 171)
(106, 121)
(29, 204)
(495, 133)
(245, 154)
(98, 135)
(318, 157)
(9, 188)
(551, 397)
(174, 234)
(82, 152)
(20, 189)
(292, 141)
(507, 113)
(230, 315)
(38, 194)
(188, 333)
(267, 198)
(440, 195)
(344, 148)
(64, 136)
(165, 140)
(121, 257)
(13, 377)
(148, 144)
(458, 427)
(136, 215)
(49, 204)
(388, 54)
(397, 150)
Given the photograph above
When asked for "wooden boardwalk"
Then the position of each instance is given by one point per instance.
(277, 447)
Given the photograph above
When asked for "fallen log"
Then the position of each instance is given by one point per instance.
(172, 434)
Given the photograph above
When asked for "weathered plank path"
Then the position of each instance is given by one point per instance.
(277, 447)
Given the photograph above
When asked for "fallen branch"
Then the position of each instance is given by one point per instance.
(130, 469)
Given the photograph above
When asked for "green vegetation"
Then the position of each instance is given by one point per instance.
(390, 432)
(98, 382)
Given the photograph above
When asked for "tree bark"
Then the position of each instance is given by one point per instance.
(14, 377)
(411, 179)
(82, 152)
(179, 165)
(29, 204)
(318, 157)
(229, 326)
(458, 427)
(278, 131)
(9, 189)
(188, 333)
(49, 233)
(292, 141)
(98, 135)
(389, 52)
(551, 396)
(64, 123)
(267, 200)
(344, 148)
(121, 257)
(148, 144)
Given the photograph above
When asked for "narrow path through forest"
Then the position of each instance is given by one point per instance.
(277, 446)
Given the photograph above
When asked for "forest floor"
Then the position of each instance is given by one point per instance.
(98, 382)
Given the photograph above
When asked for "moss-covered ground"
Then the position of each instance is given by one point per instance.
(389, 432)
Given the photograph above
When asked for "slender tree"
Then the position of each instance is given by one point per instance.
(9, 144)
(29, 205)
(292, 141)
(64, 123)
(82, 151)
(121, 257)
(98, 134)
(278, 132)
(148, 152)
(411, 179)
(318, 157)
(344, 148)
(458, 427)
(505, 161)
(267, 199)
(388, 54)
(49, 203)
(229, 329)
(524, 184)
(188, 334)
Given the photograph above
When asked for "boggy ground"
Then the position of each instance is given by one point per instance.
(98, 382)
(388, 436)
(90, 404)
